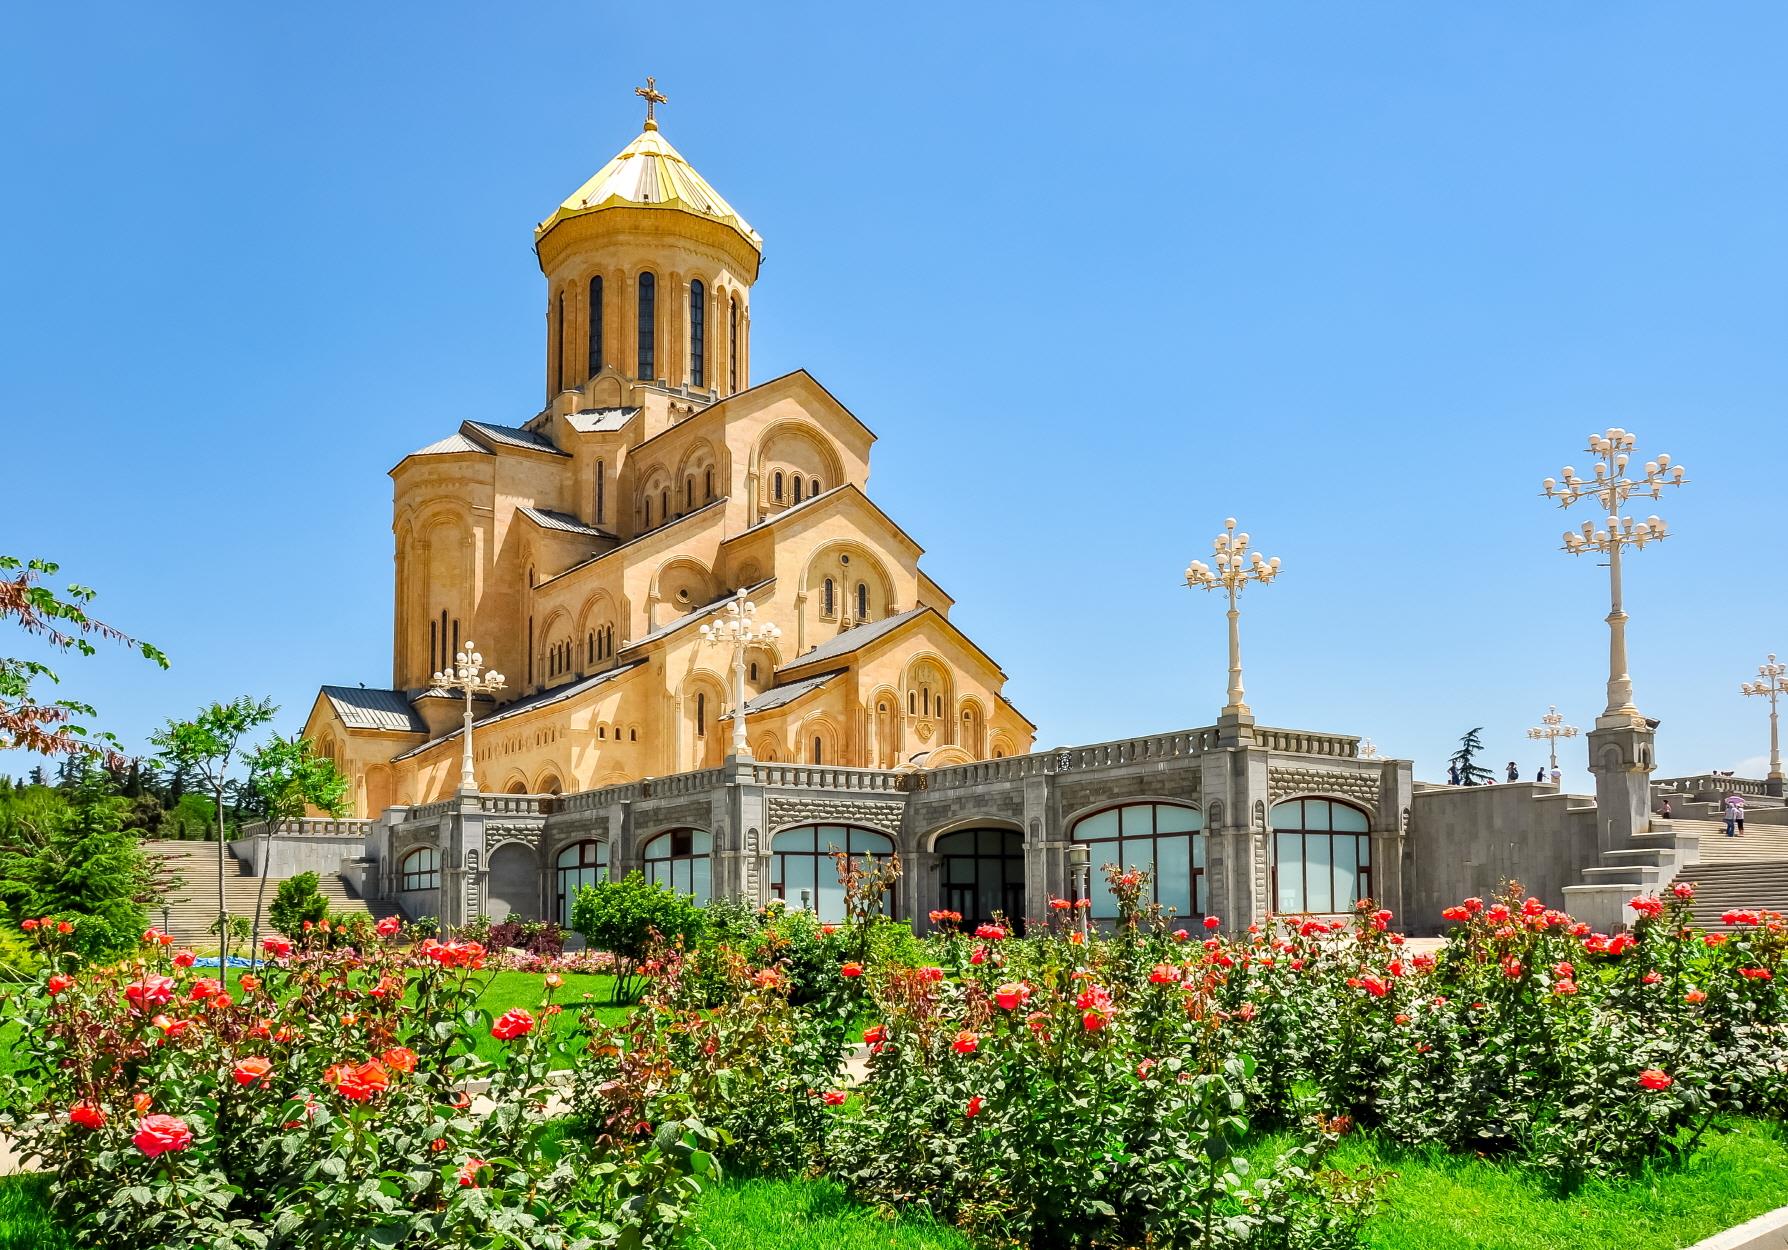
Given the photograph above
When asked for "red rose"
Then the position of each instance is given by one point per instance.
(151, 991)
(205, 987)
(1656, 1078)
(1012, 995)
(400, 1059)
(980, 955)
(827, 930)
(86, 1115)
(1180, 935)
(1164, 974)
(184, 959)
(468, 1173)
(59, 982)
(29, 926)
(279, 948)
(851, 970)
(388, 927)
(974, 1107)
(157, 1134)
(1094, 1020)
(150, 936)
(1756, 974)
(358, 1082)
(966, 1043)
(1212, 922)
(932, 974)
(1564, 987)
(990, 932)
(140, 1103)
(1060, 904)
(63, 926)
(876, 1035)
(1683, 889)
(1694, 996)
(252, 1069)
(834, 1097)
(250, 982)
(1651, 978)
(514, 1023)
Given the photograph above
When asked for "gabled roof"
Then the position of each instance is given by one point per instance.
(854, 639)
(362, 708)
(600, 420)
(831, 496)
(781, 696)
(447, 446)
(650, 173)
(511, 436)
(565, 523)
(529, 703)
(646, 537)
(689, 618)
(739, 399)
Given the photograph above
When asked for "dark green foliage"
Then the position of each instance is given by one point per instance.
(297, 901)
(627, 917)
(1471, 773)
(68, 855)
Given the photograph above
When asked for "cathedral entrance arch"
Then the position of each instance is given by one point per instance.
(513, 887)
(980, 873)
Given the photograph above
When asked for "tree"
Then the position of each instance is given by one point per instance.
(626, 917)
(286, 778)
(207, 744)
(62, 622)
(297, 900)
(68, 855)
(1465, 760)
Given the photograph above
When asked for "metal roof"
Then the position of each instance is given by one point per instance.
(650, 173)
(513, 436)
(780, 696)
(690, 618)
(362, 708)
(452, 443)
(600, 420)
(854, 639)
(529, 703)
(562, 521)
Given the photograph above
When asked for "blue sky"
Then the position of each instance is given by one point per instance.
(1099, 276)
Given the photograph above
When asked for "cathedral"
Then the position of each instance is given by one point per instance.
(583, 549)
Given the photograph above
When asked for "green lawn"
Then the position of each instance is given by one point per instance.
(802, 1215)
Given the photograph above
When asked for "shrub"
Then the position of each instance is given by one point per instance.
(74, 861)
(627, 917)
(296, 902)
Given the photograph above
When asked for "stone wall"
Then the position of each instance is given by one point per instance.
(1468, 840)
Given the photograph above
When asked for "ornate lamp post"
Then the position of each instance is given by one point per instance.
(1236, 566)
(1550, 729)
(739, 628)
(1768, 685)
(1367, 749)
(1611, 488)
(469, 675)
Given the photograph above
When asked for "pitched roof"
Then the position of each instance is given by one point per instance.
(600, 420)
(452, 443)
(561, 521)
(853, 639)
(650, 173)
(513, 436)
(689, 618)
(781, 696)
(649, 536)
(362, 708)
(529, 703)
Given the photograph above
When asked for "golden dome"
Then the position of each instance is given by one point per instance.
(650, 173)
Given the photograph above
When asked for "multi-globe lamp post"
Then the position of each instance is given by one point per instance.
(1233, 566)
(739, 628)
(1609, 535)
(1769, 685)
(1550, 729)
(469, 675)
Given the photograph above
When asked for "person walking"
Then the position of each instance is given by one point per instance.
(1557, 775)
(1514, 771)
(1735, 816)
(1664, 809)
(1539, 775)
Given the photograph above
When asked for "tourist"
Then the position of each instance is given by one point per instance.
(1664, 809)
(1514, 771)
(1452, 774)
(1539, 775)
(1557, 776)
(1735, 816)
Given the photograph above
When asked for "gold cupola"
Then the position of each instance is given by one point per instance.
(648, 272)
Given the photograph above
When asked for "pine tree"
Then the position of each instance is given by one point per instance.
(1464, 760)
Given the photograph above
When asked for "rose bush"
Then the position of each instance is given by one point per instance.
(322, 1102)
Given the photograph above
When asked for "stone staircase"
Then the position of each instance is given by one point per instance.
(1737, 873)
(191, 906)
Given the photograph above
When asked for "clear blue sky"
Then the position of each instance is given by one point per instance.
(1098, 276)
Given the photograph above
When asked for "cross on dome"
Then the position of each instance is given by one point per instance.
(652, 97)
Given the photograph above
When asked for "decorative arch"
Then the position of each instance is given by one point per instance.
(981, 871)
(929, 687)
(701, 699)
(767, 749)
(679, 859)
(971, 726)
(818, 731)
(594, 634)
(516, 783)
(1322, 853)
(548, 782)
(886, 722)
(1163, 836)
(801, 862)
(799, 450)
(512, 882)
(695, 466)
(947, 757)
(1000, 746)
(684, 583)
(848, 563)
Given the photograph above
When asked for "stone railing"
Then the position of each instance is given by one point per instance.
(309, 827)
(1713, 783)
(827, 777)
(1298, 742)
(678, 784)
(1180, 745)
(431, 811)
(590, 800)
(516, 804)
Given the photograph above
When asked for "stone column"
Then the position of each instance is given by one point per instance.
(464, 868)
(1396, 791)
(742, 812)
(1622, 759)
(1237, 860)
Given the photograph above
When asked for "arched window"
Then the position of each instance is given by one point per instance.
(698, 320)
(701, 715)
(648, 322)
(813, 487)
(434, 664)
(708, 486)
(981, 871)
(1322, 855)
(797, 490)
(678, 860)
(819, 749)
(590, 649)
(420, 870)
(827, 605)
(648, 524)
(801, 860)
(559, 345)
(776, 488)
(732, 354)
(664, 504)
(1163, 838)
(580, 864)
(595, 364)
(688, 493)
(601, 489)
(862, 601)
(912, 704)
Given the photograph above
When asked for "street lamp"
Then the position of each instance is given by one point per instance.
(469, 674)
(1080, 868)
(1612, 488)
(1769, 684)
(739, 628)
(1367, 749)
(1236, 566)
(1550, 729)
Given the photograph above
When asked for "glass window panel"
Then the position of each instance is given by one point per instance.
(1138, 853)
(698, 879)
(829, 899)
(959, 870)
(868, 842)
(1290, 851)
(1348, 819)
(800, 873)
(1137, 821)
(1198, 852)
(1104, 901)
(1202, 904)
(1287, 815)
(1365, 845)
(1177, 819)
(701, 843)
(1316, 875)
(957, 843)
(1316, 814)
(1101, 825)
(792, 840)
(1173, 873)
(1344, 871)
(569, 855)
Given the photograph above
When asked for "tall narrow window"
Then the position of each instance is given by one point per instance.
(664, 504)
(813, 487)
(827, 604)
(701, 715)
(862, 601)
(559, 346)
(648, 325)
(530, 650)
(776, 489)
(601, 489)
(732, 350)
(648, 524)
(455, 638)
(446, 655)
(708, 487)
(797, 490)
(688, 493)
(818, 750)
(434, 664)
(590, 648)
(595, 365)
(698, 320)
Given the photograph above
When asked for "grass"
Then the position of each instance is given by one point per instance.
(803, 1215)
(25, 1223)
